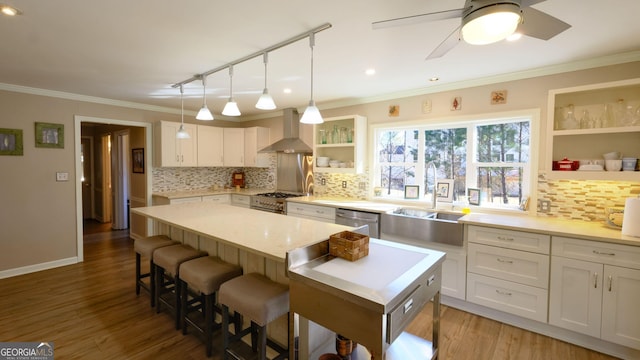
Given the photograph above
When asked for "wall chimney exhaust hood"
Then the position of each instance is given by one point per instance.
(291, 142)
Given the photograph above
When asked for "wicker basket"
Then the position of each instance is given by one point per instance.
(349, 245)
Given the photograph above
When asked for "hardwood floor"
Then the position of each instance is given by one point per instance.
(90, 311)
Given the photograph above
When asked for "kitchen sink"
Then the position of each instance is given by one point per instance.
(423, 226)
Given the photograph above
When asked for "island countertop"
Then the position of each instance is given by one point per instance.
(267, 234)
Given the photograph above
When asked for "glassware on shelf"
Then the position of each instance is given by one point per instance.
(570, 122)
(606, 119)
(350, 133)
(335, 135)
(586, 122)
(629, 118)
(343, 135)
(323, 136)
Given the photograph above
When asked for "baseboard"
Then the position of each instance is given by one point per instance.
(37, 267)
(582, 340)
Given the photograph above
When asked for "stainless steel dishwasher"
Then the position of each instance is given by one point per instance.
(359, 218)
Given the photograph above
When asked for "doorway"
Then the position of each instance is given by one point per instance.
(94, 196)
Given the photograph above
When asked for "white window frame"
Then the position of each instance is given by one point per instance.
(530, 173)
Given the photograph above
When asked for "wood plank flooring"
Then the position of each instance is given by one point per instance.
(90, 311)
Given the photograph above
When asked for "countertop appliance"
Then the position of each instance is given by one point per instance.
(359, 218)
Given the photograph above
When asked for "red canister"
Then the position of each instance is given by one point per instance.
(565, 165)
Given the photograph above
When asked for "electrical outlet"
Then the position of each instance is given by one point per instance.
(544, 206)
(323, 181)
(362, 185)
(62, 176)
(344, 184)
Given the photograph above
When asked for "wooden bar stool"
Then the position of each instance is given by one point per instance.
(144, 248)
(167, 262)
(261, 300)
(200, 279)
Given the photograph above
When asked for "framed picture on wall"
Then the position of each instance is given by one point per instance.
(11, 142)
(137, 160)
(49, 135)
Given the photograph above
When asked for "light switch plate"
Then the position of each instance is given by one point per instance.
(62, 176)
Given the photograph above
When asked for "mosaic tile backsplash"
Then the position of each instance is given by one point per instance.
(584, 199)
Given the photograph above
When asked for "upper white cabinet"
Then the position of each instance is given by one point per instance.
(170, 151)
(233, 147)
(256, 138)
(344, 139)
(587, 121)
(210, 146)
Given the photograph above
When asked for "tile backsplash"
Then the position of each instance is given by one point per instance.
(584, 199)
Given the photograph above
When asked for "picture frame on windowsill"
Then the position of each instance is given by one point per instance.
(411, 191)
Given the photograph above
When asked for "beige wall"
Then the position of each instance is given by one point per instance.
(38, 215)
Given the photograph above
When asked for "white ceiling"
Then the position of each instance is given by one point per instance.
(135, 50)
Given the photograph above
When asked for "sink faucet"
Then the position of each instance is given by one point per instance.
(435, 184)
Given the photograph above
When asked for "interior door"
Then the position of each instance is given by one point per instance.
(86, 158)
(120, 179)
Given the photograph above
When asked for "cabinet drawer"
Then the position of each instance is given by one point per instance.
(222, 199)
(521, 300)
(186, 200)
(241, 200)
(324, 212)
(512, 265)
(601, 252)
(517, 240)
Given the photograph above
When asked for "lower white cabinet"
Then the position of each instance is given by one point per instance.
(509, 271)
(591, 294)
(241, 200)
(218, 198)
(162, 200)
(313, 212)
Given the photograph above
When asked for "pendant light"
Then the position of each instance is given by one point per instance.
(265, 102)
(204, 113)
(231, 108)
(182, 132)
(311, 113)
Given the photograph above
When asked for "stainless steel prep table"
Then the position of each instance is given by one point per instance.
(370, 301)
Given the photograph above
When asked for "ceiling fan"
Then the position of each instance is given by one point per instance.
(515, 15)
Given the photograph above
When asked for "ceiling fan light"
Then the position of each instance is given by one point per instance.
(265, 102)
(491, 24)
(311, 114)
(231, 108)
(204, 113)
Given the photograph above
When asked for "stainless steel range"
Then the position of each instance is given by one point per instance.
(272, 201)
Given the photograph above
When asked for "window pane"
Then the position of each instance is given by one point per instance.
(398, 146)
(446, 148)
(501, 185)
(394, 178)
(507, 142)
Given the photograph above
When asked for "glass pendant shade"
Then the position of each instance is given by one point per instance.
(182, 132)
(491, 24)
(311, 114)
(204, 113)
(231, 108)
(265, 102)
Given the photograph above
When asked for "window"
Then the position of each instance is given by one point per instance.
(492, 155)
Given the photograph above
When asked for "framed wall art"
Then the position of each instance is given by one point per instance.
(444, 190)
(49, 135)
(137, 160)
(498, 97)
(11, 142)
(411, 191)
(474, 196)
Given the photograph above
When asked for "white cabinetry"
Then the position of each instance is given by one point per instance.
(256, 138)
(162, 200)
(313, 212)
(595, 289)
(233, 147)
(170, 151)
(241, 200)
(210, 146)
(508, 271)
(352, 154)
(614, 126)
(218, 198)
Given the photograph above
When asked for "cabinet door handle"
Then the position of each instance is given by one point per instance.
(603, 253)
(503, 292)
(610, 282)
(505, 261)
(503, 238)
(595, 280)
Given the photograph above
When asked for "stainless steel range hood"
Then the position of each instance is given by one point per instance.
(291, 142)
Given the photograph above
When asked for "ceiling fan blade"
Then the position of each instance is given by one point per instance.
(449, 43)
(527, 3)
(540, 25)
(416, 19)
